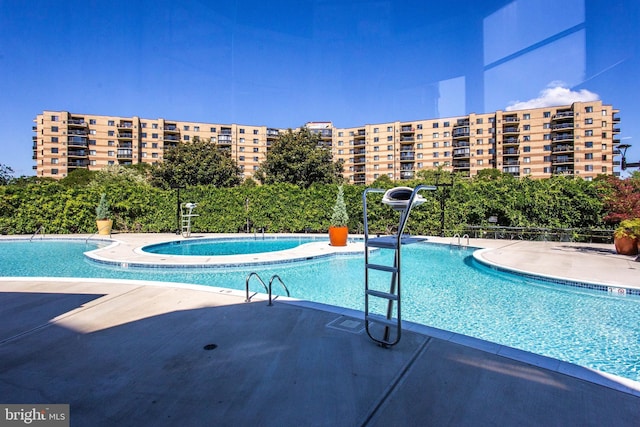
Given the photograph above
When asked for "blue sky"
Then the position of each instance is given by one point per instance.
(282, 63)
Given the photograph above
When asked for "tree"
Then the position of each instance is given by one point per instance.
(621, 198)
(6, 174)
(297, 157)
(194, 163)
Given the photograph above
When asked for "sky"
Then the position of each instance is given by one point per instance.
(282, 63)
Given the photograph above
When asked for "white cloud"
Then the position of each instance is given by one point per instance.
(555, 94)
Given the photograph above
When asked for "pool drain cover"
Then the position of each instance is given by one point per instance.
(210, 346)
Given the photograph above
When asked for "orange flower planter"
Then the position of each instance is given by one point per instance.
(338, 235)
(626, 245)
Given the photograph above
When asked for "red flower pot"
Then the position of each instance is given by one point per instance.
(626, 245)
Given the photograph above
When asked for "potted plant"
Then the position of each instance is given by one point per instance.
(102, 216)
(626, 237)
(338, 230)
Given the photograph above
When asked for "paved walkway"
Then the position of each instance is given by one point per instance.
(129, 353)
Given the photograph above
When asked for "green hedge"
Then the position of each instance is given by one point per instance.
(138, 207)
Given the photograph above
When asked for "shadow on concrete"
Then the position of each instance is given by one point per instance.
(250, 364)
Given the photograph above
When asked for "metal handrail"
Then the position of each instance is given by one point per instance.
(106, 226)
(246, 285)
(275, 276)
(39, 230)
(269, 288)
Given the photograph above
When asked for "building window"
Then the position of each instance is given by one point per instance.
(479, 131)
(419, 146)
(604, 169)
(435, 125)
(526, 116)
(547, 169)
(242, 140)
(604, 134)
(389, 147)
(255, 158)
(92, 152)
(546, 126)
(111, 133)
(241, 130)
(435, 155)
(419, 126)
(154, 145)
(111, 123)
(588, 156)
(527, 160)
(376, 158)
(390, 138)
(447, 153)
(588, 168)
(435, 145)
(547, 158)
(390, 157)
(588, 121)
(154, 155)
(547, 137)
(186, 137)
(479, 121)
(256, 149)
(389, 128)
(588, 109)
(526, 138)
(480, 162)
(480, 152)
(389, 165)
(154, 126)
(376, 130)
(92, 121)
(446, 124)
(241, 149)
(588, 132)
(604, 157)
(419, 136)
(526, 127)
(54, 139)
(526, 149)
(376, 148)
(527, 171)
(419, 155)
(376, 139)
(54, 150)
(546, 114)
(111, 153)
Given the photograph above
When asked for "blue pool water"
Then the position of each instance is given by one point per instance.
(443, 288)
(227, 246)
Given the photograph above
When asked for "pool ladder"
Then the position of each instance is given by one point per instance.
(459, 241)
(391, 327)
(268, 288)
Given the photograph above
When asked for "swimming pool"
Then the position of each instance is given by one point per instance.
(230, 246)
(442, 287)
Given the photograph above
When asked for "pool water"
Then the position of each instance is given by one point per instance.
(227, 246)
(441, 287)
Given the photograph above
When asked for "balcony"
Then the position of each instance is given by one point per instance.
(562, 148)
(225, 131)
(407, 129)
(359, 169)
(171, 138)
(77, 132)
(461, 122)
(510, 129)
(562, 137)
(274, 133)
(408, 157)
(359, 178)
(457, 144)
(125, 154)
(359, 142)
(125, 125)
(511, 141)
(563, 170)
(511, 162)
(361, 132)
(511, 119)
(171, 128)
(125, 145)
(77, 123)
(406, 167)
(407, 175)
(511, 152)
(463, 152)
(224, 139)
(461, 132)
(563, 115)
(78, 163)
(616, 130)
(406, 139)
(359, 159)
(558, 160)
(460, 165)
(513, 170)
(125, 135)
(360, 151)
(78, 153)
(77, 141)
(562, 126)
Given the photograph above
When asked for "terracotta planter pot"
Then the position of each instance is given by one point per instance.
(626, 245)
(338, 235)
(104, 226)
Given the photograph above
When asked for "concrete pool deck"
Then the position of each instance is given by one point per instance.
(133, 353)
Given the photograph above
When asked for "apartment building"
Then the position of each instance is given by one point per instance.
(578, 139)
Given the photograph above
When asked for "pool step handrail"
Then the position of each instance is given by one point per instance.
(403, 200)
(459, 240)
(40, 231)
(104, 227)
(268, 289)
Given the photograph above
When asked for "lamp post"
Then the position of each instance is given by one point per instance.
(623, 163)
